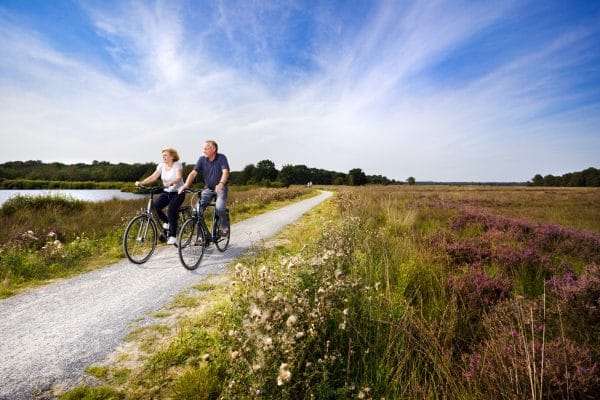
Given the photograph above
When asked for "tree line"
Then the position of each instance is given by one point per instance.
(589, 177)
(262, 173)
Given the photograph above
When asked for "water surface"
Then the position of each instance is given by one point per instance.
(78, 194)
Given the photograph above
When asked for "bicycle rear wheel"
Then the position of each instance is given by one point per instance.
(221, 241)
(190, 244)
(140, 238)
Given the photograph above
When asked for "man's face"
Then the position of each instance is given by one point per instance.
(209, 151)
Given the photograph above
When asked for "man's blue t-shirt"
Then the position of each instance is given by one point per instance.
(212, 170)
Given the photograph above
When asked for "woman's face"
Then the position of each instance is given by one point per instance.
(167, 156)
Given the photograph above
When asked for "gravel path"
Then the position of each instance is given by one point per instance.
(48, 336)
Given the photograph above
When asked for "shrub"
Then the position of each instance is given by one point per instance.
(521, 357)
(54, 202)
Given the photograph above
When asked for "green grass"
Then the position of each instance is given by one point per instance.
(46, 184)
(93, 393)
(161, 314)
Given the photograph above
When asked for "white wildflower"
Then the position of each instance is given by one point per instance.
(284, 374)
(255, 311)
(267, 342)
(291, 321)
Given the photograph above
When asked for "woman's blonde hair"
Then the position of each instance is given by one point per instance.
(172, 152)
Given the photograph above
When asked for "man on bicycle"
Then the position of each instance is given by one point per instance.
(215, 169)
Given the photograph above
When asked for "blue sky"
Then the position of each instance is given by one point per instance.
(438, 90)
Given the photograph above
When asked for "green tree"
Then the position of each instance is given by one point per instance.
(591, 177)
(286, 175)
(265, 170)
(551, 180)
(537, 180)
(411, 180)
(247, 175)
(356, 177)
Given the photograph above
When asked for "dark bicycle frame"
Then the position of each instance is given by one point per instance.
(204, 235)
(149, 223)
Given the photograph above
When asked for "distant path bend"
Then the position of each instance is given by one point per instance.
(49, 335)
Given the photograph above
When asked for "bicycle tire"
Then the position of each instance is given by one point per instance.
(221, 241)
(140, 239)
(190, 244)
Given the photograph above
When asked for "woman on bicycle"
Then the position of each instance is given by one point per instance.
(170, 172)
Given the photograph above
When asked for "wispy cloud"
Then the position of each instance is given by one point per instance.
(362, 95)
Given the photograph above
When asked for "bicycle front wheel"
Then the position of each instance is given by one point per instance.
(190, 244)
(221, 241)
(183, 214)
(140, 239)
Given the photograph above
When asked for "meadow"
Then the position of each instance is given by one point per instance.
(393, 293)
(49, 237)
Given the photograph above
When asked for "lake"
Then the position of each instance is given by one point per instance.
(79, 194)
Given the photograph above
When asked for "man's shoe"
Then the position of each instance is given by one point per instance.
(165, 225)
(172, 240)
(224, 232)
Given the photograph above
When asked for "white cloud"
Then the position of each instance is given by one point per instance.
(366, 106)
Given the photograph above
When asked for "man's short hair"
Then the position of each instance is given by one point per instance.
(213, 144)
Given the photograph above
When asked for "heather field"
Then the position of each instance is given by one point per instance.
(394, 293)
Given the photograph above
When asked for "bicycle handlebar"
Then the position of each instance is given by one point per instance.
(192, 190)
(151, 189)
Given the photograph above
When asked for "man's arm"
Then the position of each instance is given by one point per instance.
(188, 182)
(223, 182)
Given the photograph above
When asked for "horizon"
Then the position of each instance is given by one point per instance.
(464, 182)
(449, 91)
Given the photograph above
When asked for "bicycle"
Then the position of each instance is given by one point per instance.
(195, 236)
(144, 230)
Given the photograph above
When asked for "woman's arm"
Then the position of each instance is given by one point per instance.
(149, 179)
(178, 177)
